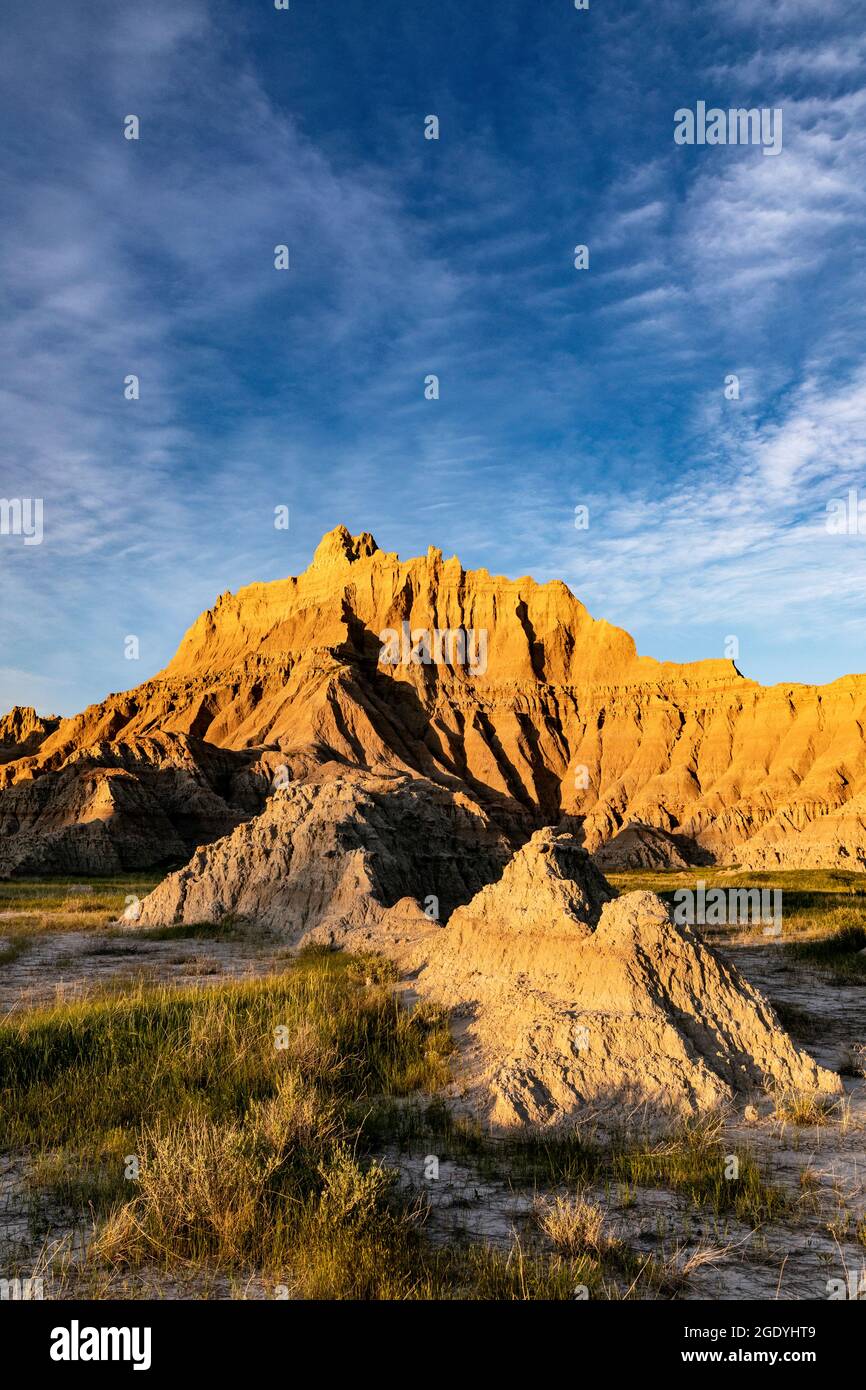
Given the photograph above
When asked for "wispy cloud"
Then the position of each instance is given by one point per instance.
(408, 258)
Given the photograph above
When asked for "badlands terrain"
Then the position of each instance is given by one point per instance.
(339, 960)
(566, 720)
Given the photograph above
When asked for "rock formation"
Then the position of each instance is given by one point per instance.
(123, 805)
(561, 718)
(639, 846)
(375, 753)
(22, 730)
(566, 997)
(571, 999)
(349, 857)
(835, 840)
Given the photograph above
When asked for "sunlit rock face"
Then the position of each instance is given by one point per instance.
(576, 1001)
(503, 689)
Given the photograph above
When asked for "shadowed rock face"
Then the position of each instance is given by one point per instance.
(341, 858)
(121, 805)
(645, 847)
(564, 719)
(552, 880)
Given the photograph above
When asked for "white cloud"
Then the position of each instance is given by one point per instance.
(743, 532)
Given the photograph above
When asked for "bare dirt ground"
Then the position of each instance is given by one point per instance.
(57, 967)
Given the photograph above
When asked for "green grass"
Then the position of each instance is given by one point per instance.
(51, 904)
(238, 1108)
(804, 885)
(74, 1071)
(839, 953)
(690, 1159)
(816, 904)
(255, 1159)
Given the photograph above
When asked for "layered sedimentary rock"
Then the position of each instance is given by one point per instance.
(555, 716)
(22, 731)
(836, 840)
(123, 805)
(639, 846)
(576, 1000)
(350, 857)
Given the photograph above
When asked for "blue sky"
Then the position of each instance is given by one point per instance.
(306, 388)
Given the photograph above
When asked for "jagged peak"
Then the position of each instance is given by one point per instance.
(551, 885)
(18, 713)
(22, 721)
(339, 545)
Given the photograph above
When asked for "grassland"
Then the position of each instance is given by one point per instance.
(30, 906)
(236, 1131)
(823, 911)
(253, 1132)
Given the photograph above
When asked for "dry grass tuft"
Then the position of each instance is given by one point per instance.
(805, 1107)
(574, 1225)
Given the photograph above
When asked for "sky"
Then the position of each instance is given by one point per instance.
(304, 388)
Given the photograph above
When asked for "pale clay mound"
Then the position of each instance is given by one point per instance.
(348, 859)
(564, 720)
(564, 997)
(576, 1001)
